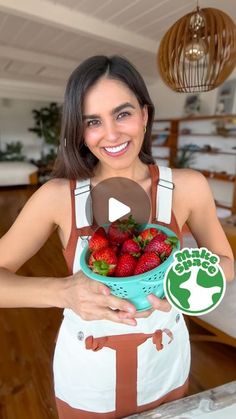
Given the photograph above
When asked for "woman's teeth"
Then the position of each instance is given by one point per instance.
(116, 149)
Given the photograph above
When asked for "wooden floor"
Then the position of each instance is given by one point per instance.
(27, 338)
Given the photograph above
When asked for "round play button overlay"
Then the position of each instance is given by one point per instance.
(117, 209)
(117, 198)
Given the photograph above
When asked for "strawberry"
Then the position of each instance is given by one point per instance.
(126, 265)
(98, 240)
(147, 234)
(161, 236)
(121, 230)
(132, 247)
(147, 262)
(103, 261)
(115, 248)
(163, 247)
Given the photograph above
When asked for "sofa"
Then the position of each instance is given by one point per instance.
(14, 173)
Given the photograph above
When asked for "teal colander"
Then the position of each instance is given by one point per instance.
(135, 288)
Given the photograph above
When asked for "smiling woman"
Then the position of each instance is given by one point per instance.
(107, 113)
(115, 135)
(110, 360)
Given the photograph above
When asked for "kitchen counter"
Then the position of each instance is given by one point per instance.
(216, 403)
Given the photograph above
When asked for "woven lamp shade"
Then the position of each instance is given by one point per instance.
(198, 52)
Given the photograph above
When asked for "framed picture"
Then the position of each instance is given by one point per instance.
(225, 98)
(192, 105)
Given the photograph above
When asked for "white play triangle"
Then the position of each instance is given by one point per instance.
(116, 209)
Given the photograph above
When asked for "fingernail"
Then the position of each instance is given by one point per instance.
(105, 292)
(124, 315)
(151, 298)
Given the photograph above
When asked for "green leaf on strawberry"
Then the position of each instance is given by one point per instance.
(121, 230)
(102, 268)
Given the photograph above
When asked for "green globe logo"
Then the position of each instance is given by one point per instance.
(195, 283)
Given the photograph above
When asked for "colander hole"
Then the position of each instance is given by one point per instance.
(119, 290)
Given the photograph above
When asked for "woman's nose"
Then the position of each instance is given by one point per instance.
(111, 132)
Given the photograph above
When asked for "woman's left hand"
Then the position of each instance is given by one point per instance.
(161, 304)
(157, 304)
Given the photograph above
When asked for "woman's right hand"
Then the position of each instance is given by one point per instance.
(93, 300)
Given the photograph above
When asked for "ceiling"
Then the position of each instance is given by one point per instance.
(42, 41)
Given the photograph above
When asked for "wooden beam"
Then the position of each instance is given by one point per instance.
(73, 21)
(19, 89)
(21, 54)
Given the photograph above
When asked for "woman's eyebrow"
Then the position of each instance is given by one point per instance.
(122, 106)
(114, 111)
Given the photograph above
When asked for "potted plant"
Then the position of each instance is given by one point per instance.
(12, 152)
(47, 122)
(185, 156)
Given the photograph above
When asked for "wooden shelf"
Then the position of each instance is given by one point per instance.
(217, 175)
(199, 118)
(207, 135)
(209, 117)
(211, 152)
(218, 204)
(173, 132)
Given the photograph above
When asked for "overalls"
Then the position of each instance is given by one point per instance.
(104, 369)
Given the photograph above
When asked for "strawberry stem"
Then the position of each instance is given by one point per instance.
(172, 240)
(128, 224)
(101, 267)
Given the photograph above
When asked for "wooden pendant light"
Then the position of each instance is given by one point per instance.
(198, 52)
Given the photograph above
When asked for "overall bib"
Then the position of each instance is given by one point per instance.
(109, 370)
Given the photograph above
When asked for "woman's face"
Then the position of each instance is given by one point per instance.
(113, 123)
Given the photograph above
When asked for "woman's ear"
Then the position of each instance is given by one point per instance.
(145, 115)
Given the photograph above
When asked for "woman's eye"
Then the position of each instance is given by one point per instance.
(92, 123)
(123, 115)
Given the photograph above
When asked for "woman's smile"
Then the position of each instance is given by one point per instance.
(117, 150)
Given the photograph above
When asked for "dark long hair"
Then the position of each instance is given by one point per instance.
(75, 160)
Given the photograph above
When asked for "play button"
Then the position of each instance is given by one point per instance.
(117, 210)
(117, 198)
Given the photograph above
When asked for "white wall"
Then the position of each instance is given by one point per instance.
(15, 119)
(170, 104)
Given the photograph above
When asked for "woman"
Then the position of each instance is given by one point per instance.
(109, 362)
